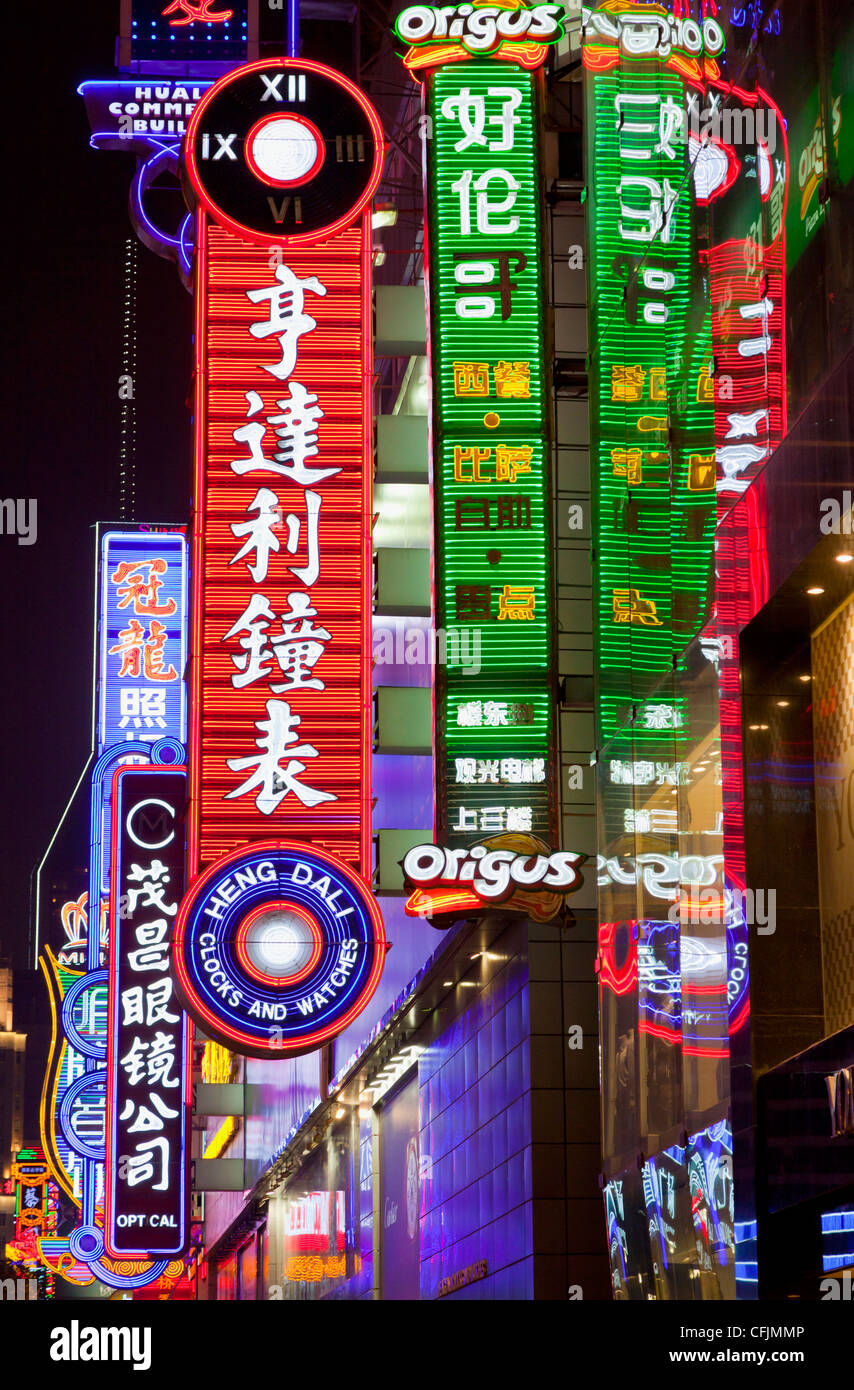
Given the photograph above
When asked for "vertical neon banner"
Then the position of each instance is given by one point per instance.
(282, 159)
(651, 371)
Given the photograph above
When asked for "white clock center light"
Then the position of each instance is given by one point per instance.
(284, 150)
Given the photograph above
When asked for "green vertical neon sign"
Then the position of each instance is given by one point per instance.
(651, 389)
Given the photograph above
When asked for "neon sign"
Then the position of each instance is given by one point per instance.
(74, 916)
(651, 379)
(74, 1113)
(141, 717)
(490, 450)
(143, 636)
(517, 872)
(287, 155)
(196, 11)
(31, 1174)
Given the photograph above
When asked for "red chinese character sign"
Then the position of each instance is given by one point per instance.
(283, 158)
(148, 1035)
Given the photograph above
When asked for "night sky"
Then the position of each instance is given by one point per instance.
(66, 224)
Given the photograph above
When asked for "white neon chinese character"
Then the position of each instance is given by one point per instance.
(296, 429)
(288, 320)
(662, 717)
(484, 208)
(471, 113)
(140, 1165)
(296, 648)
(142, 708)
(153, 880)
(151, 957)
(145, 1117)
(656, 218)
(626, 103)
(148, 1006)
(259, 533)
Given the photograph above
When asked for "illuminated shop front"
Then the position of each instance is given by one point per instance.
(721, 610)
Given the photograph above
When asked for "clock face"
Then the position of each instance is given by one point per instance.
(283, 962)
(284, 151)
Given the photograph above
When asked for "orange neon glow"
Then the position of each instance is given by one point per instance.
(426, 901)
(432, 55)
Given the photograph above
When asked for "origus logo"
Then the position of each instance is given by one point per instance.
(616, 30)
(481, 29)
(518, 872)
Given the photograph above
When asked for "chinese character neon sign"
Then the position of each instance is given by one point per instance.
(283, 158)
(651, 383)
(143, 637)
(148, 1038)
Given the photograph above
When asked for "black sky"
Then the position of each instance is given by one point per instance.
(65, 226)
